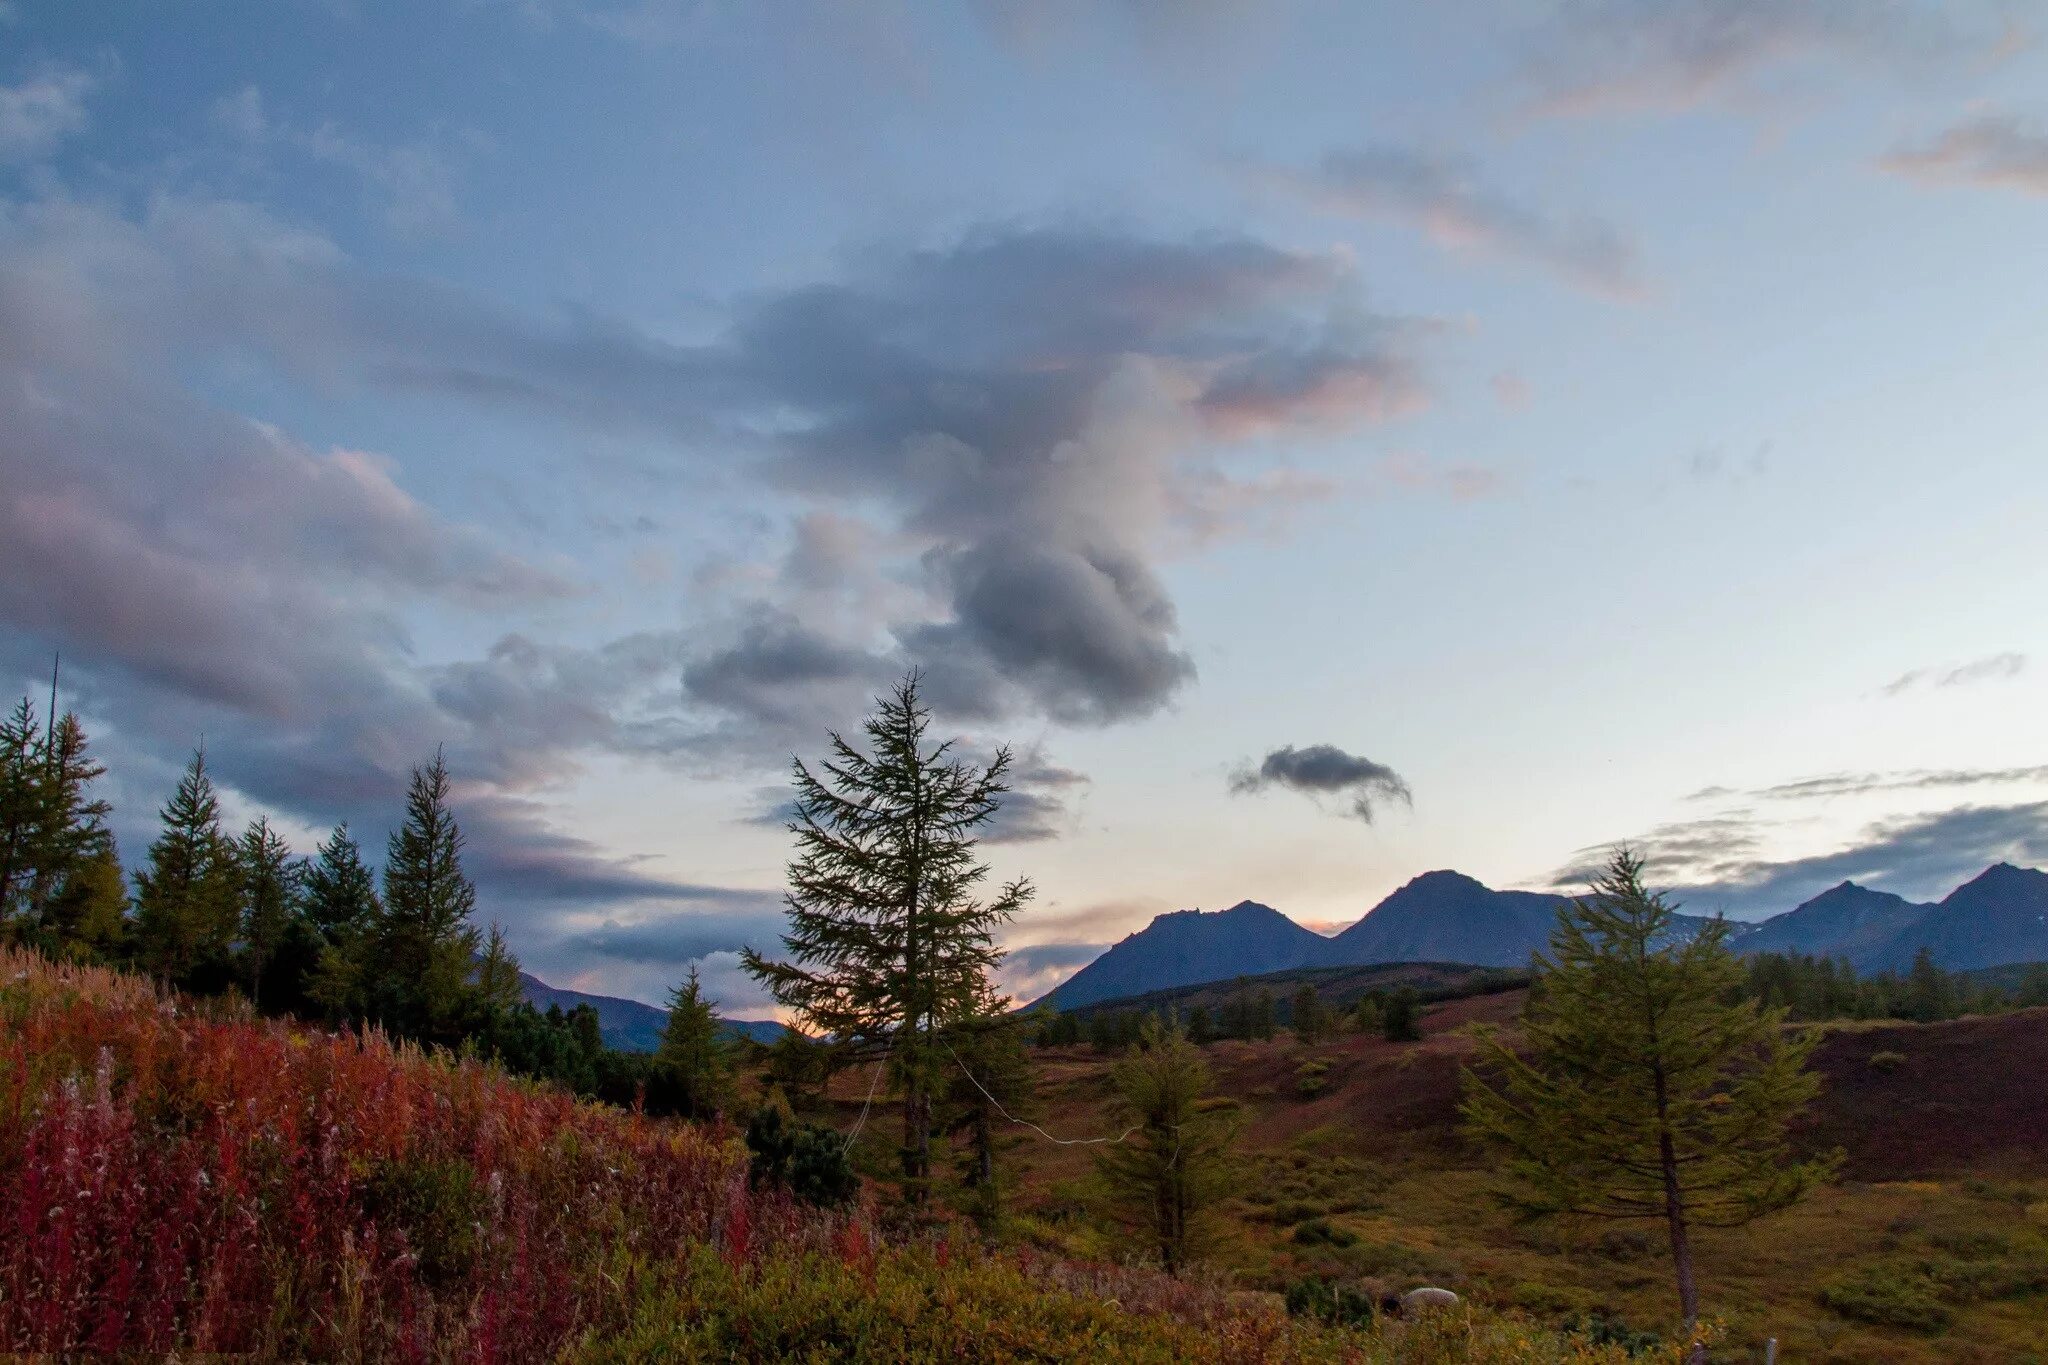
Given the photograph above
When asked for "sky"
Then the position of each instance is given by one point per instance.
(1327, 442)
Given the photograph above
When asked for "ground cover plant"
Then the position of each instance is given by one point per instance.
(181, 1176)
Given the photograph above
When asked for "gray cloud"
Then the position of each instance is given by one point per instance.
(1988, 669)
(42, 111)
(2000, 150)
(1714, 867)
(1862, 784)
(1443, 197)
(1325, 770)
(988, 446)
(1029, 972)
(1606, 55)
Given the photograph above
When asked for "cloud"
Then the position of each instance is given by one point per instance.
(1602, 56)
(984, 449)
(1325, 770)
(1990, 668)
(1029, 972)
(1862, 784)
(1443, 197)
(1999, 150)
(1511, 390)
(1412, 472)
(42, 111)
(413, 182)
(1714, 865)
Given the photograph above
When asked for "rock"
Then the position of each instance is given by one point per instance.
(1415, 1300)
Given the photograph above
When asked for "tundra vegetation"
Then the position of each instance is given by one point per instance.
(296, 1108)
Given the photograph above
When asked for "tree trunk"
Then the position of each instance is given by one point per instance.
(1681, 1245)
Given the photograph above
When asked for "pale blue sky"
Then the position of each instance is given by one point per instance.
(1566, 406)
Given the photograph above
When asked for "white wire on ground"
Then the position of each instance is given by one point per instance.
(1063, 1142)
(861, 1122)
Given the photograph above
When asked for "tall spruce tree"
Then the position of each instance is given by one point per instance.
(341, 905)
(186, 907)
(72, 832)
(888, 941)
(24, 799)
(1171, 1168)
(270, 880)
(1644, 1090)
(416, 966)
(694, 1053)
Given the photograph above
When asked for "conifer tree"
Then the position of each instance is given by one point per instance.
(1311, 1020)
(186, 911)
(24, 793)
(1166, 1173)
(88, 917)
(340, 891)
(1643, 1092)
(991, 1075)
(888, 940)
(269, 882)
(696, 1057)
(1400, 1020)
(73, 832)
(341, 905)
(416, 965)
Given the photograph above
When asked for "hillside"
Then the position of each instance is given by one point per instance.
(1998, 917)
(181, 1179)
(1188, 947)
(1350, 1163)
(1449, 917)
(629, 1025)
(1845, 921)
(1338, 987)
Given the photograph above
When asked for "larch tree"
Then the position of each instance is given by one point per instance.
(1171, 1167)
(696, 1057)
(890, 939)
(269, 882)
(1645, 1089)
(993, 1077)
(186, 907)
(416, 965)
(24, 787)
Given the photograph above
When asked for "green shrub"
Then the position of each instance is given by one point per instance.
(1888, 1295)
(1321, 1232)
(1600, 1330)
(1333, 1302)
(1312, 1078)
(436, 1204)
(1886, 1061)
(807, 1160)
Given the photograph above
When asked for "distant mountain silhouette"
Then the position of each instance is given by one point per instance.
(1845, 921)
(629, 1025)
(1188, 947)
(1998, 917)
(1446, 917)
(1449, 917)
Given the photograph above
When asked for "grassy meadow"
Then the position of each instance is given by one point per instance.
(1932, 1248)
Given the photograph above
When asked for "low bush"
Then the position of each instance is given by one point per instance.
(1888, 1294)
(1332, 1301)
(1321, 1232)
(1886, 1061)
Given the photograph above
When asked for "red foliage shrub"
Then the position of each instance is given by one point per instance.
(176, 1178)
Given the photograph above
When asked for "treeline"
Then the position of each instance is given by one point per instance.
(1247, 1015)
(214, 912)
(1818, 988)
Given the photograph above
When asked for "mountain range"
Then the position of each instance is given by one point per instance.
(628, 1025)
(1999, 917)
